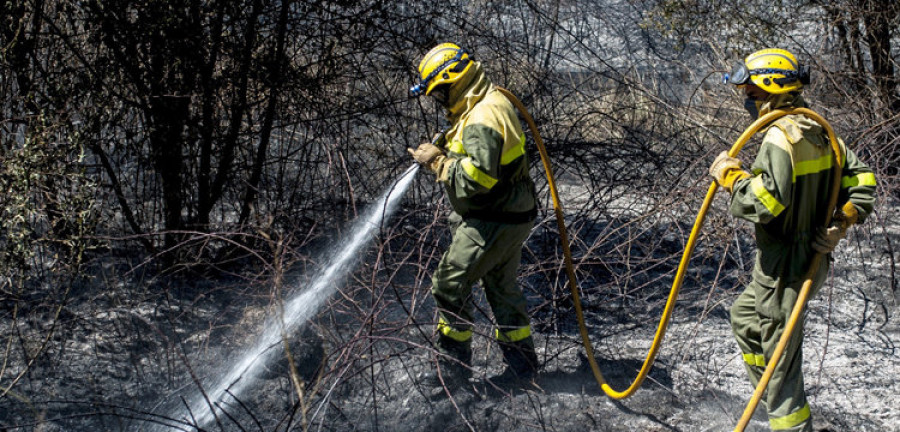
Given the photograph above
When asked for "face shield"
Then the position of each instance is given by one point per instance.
(739, 75)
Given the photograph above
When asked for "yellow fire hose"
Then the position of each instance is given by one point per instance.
(688, 251)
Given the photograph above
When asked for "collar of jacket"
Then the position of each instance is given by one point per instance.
(794, 126)
(786, 100)
(468, 92)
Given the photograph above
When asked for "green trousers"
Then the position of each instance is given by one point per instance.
(489, 252)
(758, 318)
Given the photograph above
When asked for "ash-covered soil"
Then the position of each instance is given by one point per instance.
(124, 361)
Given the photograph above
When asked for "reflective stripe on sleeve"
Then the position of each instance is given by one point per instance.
(476, 174)
(863, 179)
(514, 153)
(790, 420)
(456, 147)
(514, 335)
(766, 198)
(450, 332)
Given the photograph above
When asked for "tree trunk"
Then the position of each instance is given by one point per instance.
(238, 108)
(277, 63)
(878, 16)
(167, 117)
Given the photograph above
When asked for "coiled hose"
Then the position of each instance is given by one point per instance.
(685, 258)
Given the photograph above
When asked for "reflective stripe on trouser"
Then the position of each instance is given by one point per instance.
(513, 335)
(757, 334)
(486, 251)
(445, 329)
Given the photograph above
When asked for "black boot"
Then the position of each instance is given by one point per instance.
(448, 373)
(521, 363)
(453, 366)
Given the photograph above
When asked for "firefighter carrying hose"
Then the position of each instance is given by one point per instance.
(481, 163)
(784, 195)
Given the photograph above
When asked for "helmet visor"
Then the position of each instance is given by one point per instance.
(739, 75)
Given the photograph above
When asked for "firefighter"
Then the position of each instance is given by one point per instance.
(482, 165)
(784, 195)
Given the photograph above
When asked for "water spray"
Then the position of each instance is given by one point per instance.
(206, 406)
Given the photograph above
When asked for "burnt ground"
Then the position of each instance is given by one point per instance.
(129, 359)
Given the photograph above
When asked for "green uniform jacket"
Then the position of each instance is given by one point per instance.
(487, 173)
(787, 194)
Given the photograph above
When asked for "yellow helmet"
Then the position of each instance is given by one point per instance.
(444, 64)
(774, 70)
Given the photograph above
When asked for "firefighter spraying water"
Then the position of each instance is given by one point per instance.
(481, 163)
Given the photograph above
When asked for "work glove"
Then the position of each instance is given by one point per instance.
(726, 170)
(827, 239)
(430, 156)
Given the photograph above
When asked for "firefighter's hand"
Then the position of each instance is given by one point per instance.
(828, 238)
(429, 156)
(726, 170)
(425, 154)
